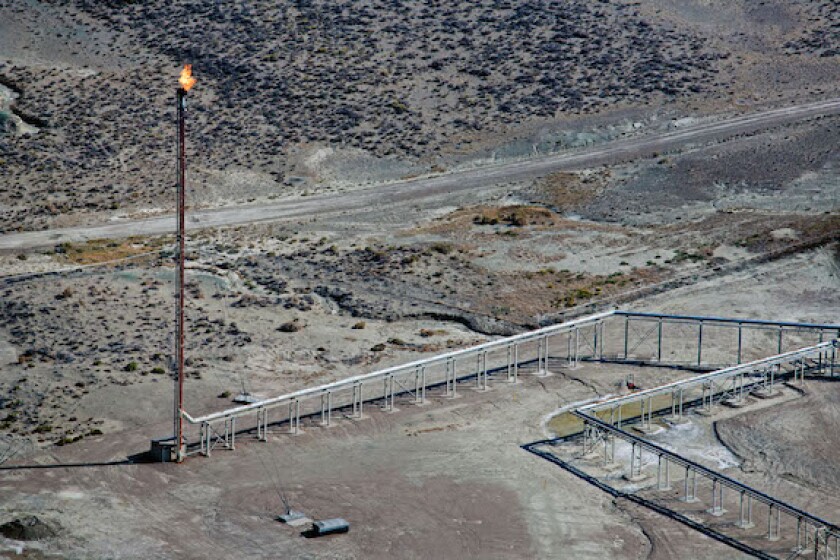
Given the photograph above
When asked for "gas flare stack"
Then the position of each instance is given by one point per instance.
(173, 448)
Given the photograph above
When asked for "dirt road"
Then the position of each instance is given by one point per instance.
(418, 189)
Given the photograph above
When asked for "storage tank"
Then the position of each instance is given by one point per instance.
(330, 526)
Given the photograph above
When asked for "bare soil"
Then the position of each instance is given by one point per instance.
(420, 482)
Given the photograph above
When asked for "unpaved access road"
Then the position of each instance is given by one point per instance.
(415, 190)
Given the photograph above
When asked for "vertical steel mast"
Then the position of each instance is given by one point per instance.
(179, 283)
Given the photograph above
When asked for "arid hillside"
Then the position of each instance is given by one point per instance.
(305, 95)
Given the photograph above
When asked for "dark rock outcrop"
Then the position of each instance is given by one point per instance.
(29, 528)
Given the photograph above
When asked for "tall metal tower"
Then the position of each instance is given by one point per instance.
(186, 82)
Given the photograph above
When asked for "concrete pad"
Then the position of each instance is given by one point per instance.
(246, 398)
(763, 393)
(637, 478)
(648, 430)
(294, 519)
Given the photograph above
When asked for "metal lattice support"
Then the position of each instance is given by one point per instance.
(626, 337)
(326, 409)
(515, 363)
(635, 463)
(646, 409)
(481, 382)
(745, 511)
(609, 450)
(388, 393)
(542, 356)
(700, 343)
(774, 526)
(420, 385)
(211, 437)
(452, 379)
(596, 437)
(294, 416)
(677, 404)
(708, 396)
(511, 376)
(644, 336)
(590, 343)
(603, 340)
(801, 532)
(358, 400)
(663, 473)
(690, 485)
(717, 499)
(574, 348)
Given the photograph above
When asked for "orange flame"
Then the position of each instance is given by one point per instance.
(186, 80)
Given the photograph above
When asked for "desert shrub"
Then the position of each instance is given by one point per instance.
(291, 326)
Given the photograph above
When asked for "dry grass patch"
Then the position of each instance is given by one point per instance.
(464, 219)
(518, 216)
(104, 250)
(805, 230)
(564, 192)
(524, 295)
(512, 219)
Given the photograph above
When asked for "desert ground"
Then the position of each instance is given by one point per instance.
(359, 117)
(421, 482)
